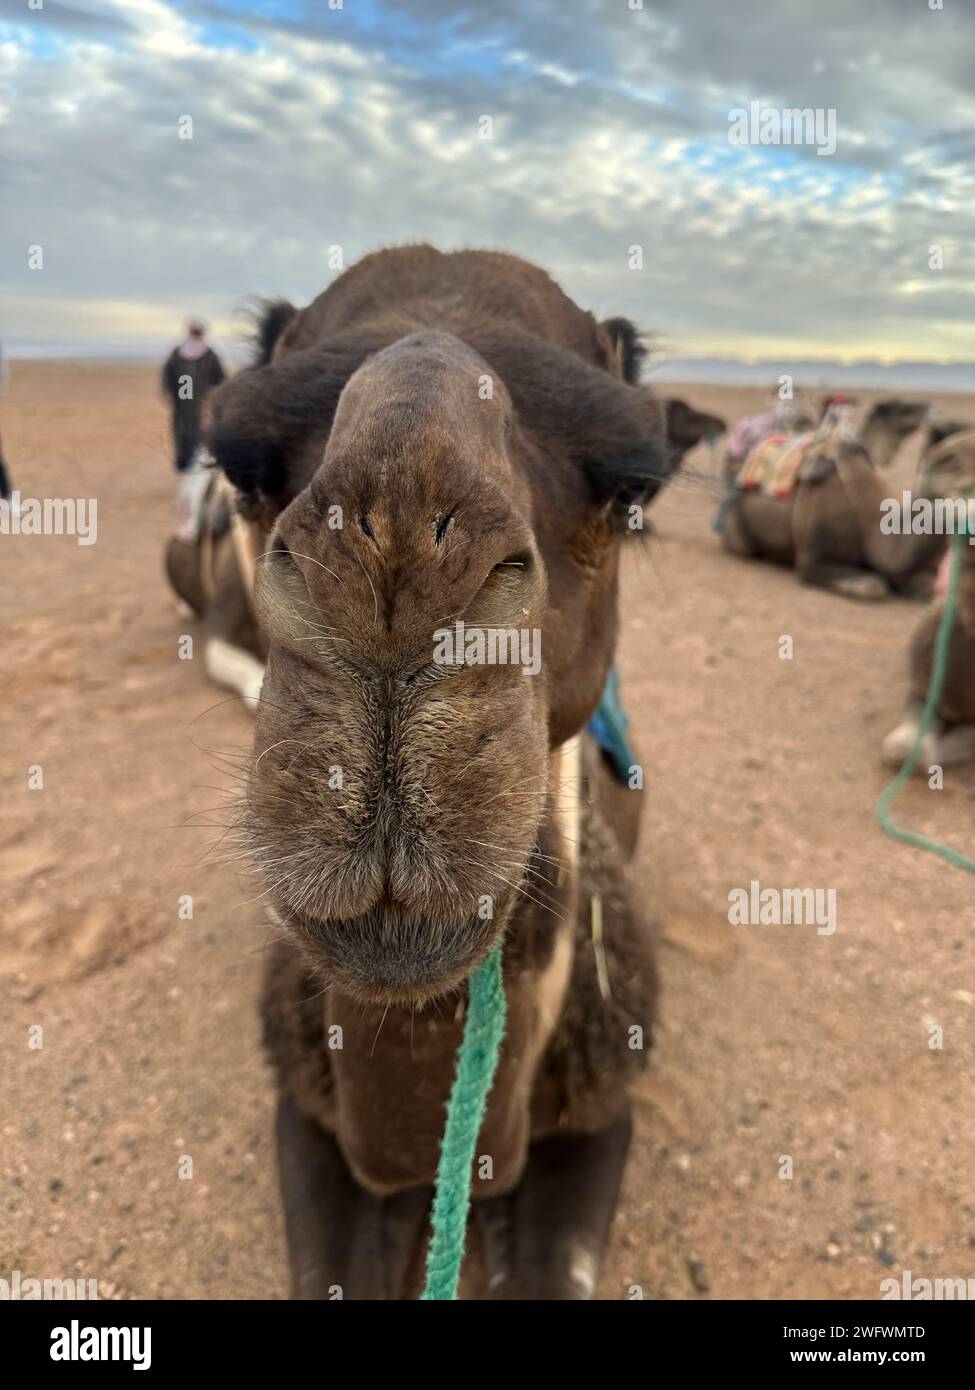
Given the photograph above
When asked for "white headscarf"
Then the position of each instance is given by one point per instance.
(194, 344)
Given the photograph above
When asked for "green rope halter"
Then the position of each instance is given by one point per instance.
(912, 837)
(477, 1057)
(477, 1061)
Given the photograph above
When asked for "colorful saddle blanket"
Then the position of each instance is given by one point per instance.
(777, 464)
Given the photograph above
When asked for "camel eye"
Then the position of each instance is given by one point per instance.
(521, 561)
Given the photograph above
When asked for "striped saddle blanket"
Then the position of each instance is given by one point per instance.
(780, 461)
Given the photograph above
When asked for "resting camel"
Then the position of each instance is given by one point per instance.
(952, 736)
(214, 575)
(828, 528)
(435, 437)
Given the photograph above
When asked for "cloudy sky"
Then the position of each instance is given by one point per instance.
(356, 126)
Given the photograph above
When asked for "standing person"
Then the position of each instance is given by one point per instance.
(5, 490)
(190, 373)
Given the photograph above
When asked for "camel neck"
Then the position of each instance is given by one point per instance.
(881, 445)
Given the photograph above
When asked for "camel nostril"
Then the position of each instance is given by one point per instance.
(444, 524)
(364, 523)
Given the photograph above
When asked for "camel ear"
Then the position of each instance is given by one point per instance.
(687, 426)
(613, 431)
(271, 318)
(242, 436)
(269, 425)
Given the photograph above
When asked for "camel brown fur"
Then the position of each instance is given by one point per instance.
(443, 436)
(207, 574)
(829, 530)
(951, 738)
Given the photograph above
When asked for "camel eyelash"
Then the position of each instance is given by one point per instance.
(521, 561)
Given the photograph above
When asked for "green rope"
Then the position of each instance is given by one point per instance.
(477, 1061)
(911, 837)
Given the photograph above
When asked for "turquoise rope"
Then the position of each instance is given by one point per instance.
(911, 837)
(477, 1061)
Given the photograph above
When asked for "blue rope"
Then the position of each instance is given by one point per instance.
(608, 726)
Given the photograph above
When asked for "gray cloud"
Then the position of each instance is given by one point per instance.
(610, 132)
(65, 19)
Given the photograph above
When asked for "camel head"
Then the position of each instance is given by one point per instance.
(887, 425)
(947, 468)
(687, 426)
(939, 427)
(439, 598)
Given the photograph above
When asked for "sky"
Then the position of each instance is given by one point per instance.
(322, 129)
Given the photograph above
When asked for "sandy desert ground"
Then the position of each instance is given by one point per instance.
(774, 1041)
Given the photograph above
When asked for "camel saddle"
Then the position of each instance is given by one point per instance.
(781, 461)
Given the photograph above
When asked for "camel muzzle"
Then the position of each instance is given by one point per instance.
(386, 956)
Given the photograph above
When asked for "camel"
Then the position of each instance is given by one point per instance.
(436, 437)
(829, 529)
(951, 738)
(213, 578)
